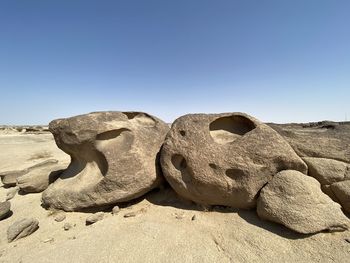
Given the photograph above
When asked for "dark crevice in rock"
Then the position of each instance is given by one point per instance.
(179, 162)
(110, 134)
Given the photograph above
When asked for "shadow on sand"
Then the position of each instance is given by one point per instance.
(167, 197)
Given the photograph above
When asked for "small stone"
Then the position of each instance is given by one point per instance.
(60, 217)
(22, 228)
(67, 226)
(4, 209)
(11, 193)
(115, 210)
(94, 218)
(51, 239)
(131, 214)
(179, 216)
(193, 217)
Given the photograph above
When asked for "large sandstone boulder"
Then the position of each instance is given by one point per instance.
(334, 177)
(114, 159)
(224, 159)
(296, 201)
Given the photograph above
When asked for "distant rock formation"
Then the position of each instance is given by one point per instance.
(114, 159)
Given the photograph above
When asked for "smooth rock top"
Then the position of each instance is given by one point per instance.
(22, 228)
(224, 159)
(296, 201)
(114, 159)
(4, 209)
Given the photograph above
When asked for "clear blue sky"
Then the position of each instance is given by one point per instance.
(281, 61)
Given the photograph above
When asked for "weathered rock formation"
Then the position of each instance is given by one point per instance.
(113, 159)
(325, 148)
(325, 139)
(334, 177)
(43, 168)
(38, 180)
(224, 159)
(296, 201)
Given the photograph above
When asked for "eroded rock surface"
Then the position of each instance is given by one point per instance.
(342, 191)
(324, 139)
(296, 201)
(327, 171)
(39, 179)
(9, 178)
(4, 209)
(224, 159)
(114, 159)
(334, 177)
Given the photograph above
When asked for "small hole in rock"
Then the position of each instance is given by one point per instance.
(183, 133)
(235, 173)
(179, 162)
(131, 114)
(213, 165)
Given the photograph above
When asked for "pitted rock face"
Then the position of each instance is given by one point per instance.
(113, 159)
(224, 159)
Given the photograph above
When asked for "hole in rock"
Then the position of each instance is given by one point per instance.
(179, 162)
(235, 173)
(131, 115)
(141, 118)
(227, 129)
(213, 165)
(108, 135)
(183, 133)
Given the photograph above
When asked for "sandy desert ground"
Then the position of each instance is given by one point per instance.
(165, 228)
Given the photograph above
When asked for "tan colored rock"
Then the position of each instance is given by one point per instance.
(9, 178)
(324, 139)
(342, 192)
(39, 179)
(114, 159)
(94, 218)
(11, 193)
(22, 228)
(224, 159)
(60, 217)
(5, 208)
(326, 171)
(296, 201)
